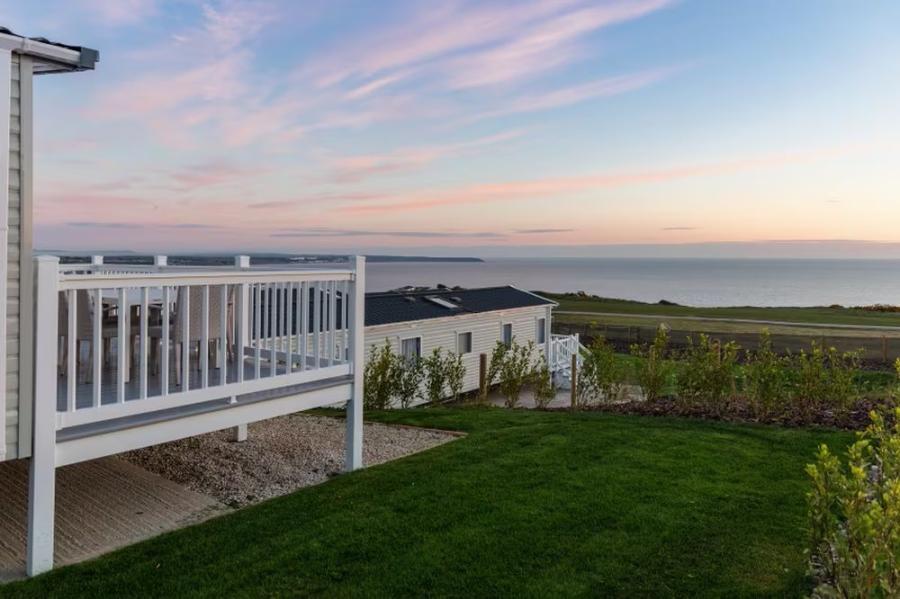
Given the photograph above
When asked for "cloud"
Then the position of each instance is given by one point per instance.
(552, 187)
(104, 225)
(213, 173)
(679, 228)
(547, 44)
(329, 232)
(541, 231)
(121, 12)
(352, 169)
(575, 94)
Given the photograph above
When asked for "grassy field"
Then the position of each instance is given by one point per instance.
(813, 315)
(528, 504)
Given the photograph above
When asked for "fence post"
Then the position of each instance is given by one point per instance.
(354, 459)
(482, 375)
(42, 473)
(574, 379)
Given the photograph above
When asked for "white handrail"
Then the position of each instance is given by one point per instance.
(260, 316)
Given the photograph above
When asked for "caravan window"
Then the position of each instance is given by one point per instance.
(464, 343)
(540, 335)
(507, 335)
(411, 349)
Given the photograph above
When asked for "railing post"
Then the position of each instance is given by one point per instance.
(239, 433)
(358, 363)
(42, 475)
(96, 260)
(160, 260)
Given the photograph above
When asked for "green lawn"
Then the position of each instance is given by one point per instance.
(814, 315)
(529, 503)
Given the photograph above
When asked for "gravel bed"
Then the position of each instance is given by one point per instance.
(280, 456)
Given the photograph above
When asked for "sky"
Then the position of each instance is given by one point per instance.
(492, 128)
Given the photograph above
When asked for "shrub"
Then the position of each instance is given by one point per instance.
(435, 376)
(494, 365)
(455, 371)
(653, 368)
(854, 515)
(515, 371)
(825, 379)
(409, 380)
(601, 376)
(542, 382)
(768, 378)
(380, 377)
(707, 376)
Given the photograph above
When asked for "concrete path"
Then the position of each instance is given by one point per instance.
(101, 505)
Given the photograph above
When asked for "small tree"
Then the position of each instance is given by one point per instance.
(455, 372)
(707, 376)
(494, 365)
(542, 384)
(409, 380)
(435, 376)
(653, 367)
(602, 375)
(768, 377)
(380, 377)
(515, 371)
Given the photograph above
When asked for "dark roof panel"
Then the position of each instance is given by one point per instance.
(401, 306)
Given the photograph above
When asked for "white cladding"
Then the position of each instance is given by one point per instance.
(486, 329)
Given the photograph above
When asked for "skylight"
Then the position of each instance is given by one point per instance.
(441, 302)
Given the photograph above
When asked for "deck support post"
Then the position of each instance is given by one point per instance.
(357, 323)
(42, 475)
(239, 433)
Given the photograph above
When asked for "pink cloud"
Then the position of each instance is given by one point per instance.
(121, 12)
(357, 168)
(561, 186)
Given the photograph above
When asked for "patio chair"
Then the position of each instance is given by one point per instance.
(84, 333)
(195, 328)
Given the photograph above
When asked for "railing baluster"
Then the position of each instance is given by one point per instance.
(289, 331)
(186, 339)
(257, 290)
(342, 344)
(164, 350)
(121, 343)
(242, 328)
(332, 313)
(204, 339)
(97, 347)
(72, 352)
(222, 352)
(272, 307)
(304, 323)
(145, 345)
(317, 323)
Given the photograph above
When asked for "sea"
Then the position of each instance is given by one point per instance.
(695, 282)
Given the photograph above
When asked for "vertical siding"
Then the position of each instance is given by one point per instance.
(441, 332)
(12, 290)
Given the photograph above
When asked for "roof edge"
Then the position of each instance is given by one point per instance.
(54, 57)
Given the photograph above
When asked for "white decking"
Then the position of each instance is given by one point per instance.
(187, 351)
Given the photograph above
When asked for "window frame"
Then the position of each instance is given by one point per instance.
(410, 338)
(540, 330)
(471, 342)
(512, 335)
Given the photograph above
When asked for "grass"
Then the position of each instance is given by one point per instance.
(812, 315)
(529, 503)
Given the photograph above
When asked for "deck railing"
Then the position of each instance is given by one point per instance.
(128, 340)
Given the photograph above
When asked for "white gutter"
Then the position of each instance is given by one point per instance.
(66, 58)
(5, 94)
